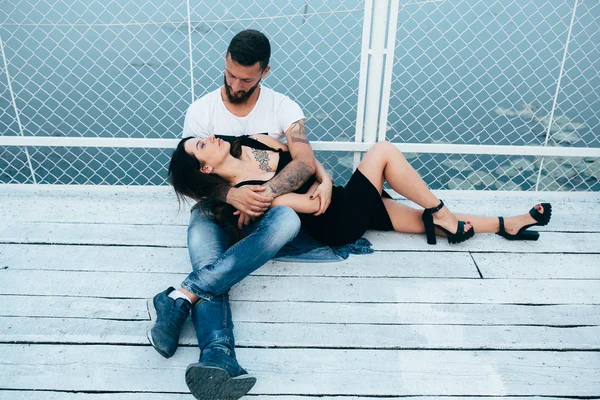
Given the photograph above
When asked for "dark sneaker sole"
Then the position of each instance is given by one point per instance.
(212, 383)
(153, 317)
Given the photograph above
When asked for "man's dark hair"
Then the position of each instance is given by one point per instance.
(249, 47)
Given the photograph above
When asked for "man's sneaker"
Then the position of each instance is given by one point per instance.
(168, 316)
(218, 377)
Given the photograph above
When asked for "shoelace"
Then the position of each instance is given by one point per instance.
(176, 319)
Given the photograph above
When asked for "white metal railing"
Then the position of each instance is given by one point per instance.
(360, 147)
(37, 157)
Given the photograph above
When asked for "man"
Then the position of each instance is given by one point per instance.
(240, 107)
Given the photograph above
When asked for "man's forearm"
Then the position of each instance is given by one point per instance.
(300, 168)
(290, 178)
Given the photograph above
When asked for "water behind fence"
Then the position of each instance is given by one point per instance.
(464, 72)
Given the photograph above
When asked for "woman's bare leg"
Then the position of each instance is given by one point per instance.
(407, 219)
(492, 225)
(404, 218)
(383, 162)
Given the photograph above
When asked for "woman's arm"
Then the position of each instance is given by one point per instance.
(321, 173)
(324, 190)
(321, 193)
(301, 203)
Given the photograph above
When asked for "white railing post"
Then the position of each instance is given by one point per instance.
(14, 103)
(377, 53)
(388, 69)
(362, 78)
(375, 70)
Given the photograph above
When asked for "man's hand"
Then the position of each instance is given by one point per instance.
(249, 200)
(323, 192)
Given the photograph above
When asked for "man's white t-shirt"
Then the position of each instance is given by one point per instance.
(273, 114)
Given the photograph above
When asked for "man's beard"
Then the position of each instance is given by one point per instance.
(239, 99)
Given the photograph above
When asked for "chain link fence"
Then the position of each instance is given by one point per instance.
(486, 72)
(465, 72)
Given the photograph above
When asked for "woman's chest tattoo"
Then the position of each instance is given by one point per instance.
(262, 157)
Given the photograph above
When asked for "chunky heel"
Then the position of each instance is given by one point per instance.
(529, 235)
(524, 234)
(453, 238)
(427, 218)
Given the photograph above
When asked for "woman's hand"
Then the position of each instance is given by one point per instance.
(323, 192)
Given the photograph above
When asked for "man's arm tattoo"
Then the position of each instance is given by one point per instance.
(290, 179)
(296, 172)
(263, 159)
(298, 131)
(221, 193)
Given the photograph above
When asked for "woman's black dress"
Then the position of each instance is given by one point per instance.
(354, 208)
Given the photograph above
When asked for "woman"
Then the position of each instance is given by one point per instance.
(200, 166)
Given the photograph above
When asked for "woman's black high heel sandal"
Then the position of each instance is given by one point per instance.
(458, 237)
(524, 234)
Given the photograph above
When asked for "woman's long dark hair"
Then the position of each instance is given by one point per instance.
(187, 180)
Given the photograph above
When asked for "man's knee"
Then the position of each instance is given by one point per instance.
(285, 221)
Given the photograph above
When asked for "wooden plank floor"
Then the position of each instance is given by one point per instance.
(488, 318)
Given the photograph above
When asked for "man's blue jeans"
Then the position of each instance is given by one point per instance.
(219, 262)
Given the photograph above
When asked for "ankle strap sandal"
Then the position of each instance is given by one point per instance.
(524, 234)
(453, 238)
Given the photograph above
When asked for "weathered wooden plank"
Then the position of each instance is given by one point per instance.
(73, 307)
(47, 395)
(153, 259)
(538, 266)
(303, 312)
(106, 208)
(145, 193)
(359, 313)
(166, 192)
(103, 234)
(94, 258)
(282, 335)
(141, 205)
(158, 259)
(310, 371)
(164, 212)
(327, 289)
(549, 242)
(175, 236)
(527, 197)
(159, 207)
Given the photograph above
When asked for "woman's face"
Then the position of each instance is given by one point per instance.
(210, 151)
